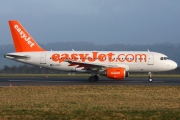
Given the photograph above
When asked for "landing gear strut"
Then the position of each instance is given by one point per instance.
(150, 77)
(93, 78)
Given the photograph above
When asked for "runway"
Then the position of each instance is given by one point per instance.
(83, 81)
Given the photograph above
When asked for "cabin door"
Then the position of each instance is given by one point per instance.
(43, 58)
(150, 59)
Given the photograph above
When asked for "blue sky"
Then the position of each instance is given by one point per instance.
(98, 21)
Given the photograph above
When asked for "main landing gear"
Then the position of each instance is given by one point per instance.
(150, 77)
(93, 78)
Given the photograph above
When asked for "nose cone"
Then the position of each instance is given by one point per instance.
(173, 65)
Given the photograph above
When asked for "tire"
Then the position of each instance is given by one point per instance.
(91, 79)
(96, 78)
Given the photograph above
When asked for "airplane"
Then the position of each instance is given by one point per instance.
(112, 64)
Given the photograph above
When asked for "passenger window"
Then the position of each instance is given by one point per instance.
(161, 58)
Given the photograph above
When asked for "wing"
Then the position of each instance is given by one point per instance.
(95, 66)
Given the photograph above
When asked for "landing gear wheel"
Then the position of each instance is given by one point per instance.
(150, 77)
(91, 79)
(96, 77)
(150, 80)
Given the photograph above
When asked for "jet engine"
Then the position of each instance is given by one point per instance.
(115, 73)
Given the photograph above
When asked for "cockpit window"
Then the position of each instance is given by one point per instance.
(164, 58)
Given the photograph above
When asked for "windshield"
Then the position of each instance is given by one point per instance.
(164, 58)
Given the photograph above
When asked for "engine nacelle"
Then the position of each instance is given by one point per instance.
(114, 73)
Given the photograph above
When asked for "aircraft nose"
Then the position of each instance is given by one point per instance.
(173, 65)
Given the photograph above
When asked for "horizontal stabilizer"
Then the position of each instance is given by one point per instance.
(16, 56)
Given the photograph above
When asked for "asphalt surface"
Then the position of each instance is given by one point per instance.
(84, 81)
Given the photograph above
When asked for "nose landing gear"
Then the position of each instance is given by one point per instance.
(150, 77)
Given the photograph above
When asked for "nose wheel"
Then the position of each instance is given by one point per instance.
(150, 77)
(93, 78)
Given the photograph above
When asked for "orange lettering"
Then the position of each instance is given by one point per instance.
(140, 57)
(119, 57)
(92, 59)
(83, 57)
(102, 57)
(128, 58)
(64, 57)
(110, 57)
(74, 57)
(55, 57)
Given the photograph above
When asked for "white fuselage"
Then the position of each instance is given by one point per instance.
(136, 61)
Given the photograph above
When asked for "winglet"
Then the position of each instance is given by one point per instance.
(23, 42)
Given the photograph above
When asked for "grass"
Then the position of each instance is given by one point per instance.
(90, 102)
